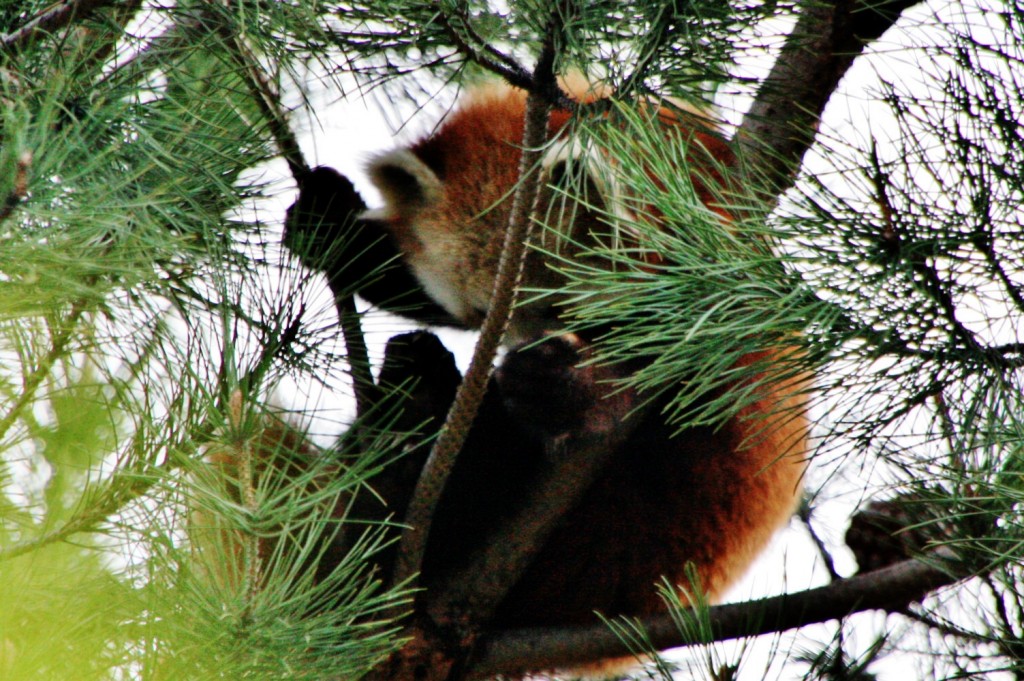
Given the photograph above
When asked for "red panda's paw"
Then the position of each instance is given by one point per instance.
(419, 376)
(322, 217)
(418, 355)
(544, 387)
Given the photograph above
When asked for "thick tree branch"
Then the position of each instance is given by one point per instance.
(782, 122)
(891, 588)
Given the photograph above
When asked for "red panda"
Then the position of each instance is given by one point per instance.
(710, 497)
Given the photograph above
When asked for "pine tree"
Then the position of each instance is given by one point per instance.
(160, 518)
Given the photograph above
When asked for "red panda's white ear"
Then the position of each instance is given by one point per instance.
(405, 182)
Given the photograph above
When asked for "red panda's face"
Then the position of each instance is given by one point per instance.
(447, 200)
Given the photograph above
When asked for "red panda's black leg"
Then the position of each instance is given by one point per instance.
(416, 386)
(326, 230)
(520, 461)
(548, 428)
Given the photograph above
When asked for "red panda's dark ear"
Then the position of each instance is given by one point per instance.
(406, 184)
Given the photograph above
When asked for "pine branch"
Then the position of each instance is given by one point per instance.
(781, 124)
(243, 451)
(268, 99)
(125, 486)
(888, 589)
(59, 347)
(128, 483)
(476, 49)
(141, 62)
(51, 19)
(930, 282)
(468, 42)
(264, 94)
(662, 26)
(100, 45)
(357, 354)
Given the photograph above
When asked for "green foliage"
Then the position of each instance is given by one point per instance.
(241, 599)
(133, 309)
(917, 248)
(654, 46)
(63, 615)
(833, 664)
(61, 605)
(143, 316)
(671, 286)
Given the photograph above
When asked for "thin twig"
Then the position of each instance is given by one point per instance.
(54, 17)
(660, 26)
(268, 100)
(945, 628)
(805, 513)
(413, 542)
(98, 46)
(983, 242)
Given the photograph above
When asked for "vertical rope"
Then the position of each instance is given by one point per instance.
(412, 544)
